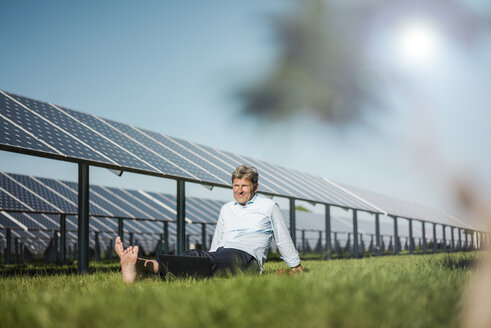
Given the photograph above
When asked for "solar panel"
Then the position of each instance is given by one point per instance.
(172, 152)
(47, 193)
(91, 137)
(408, 210)
(156, 211)
(36, 127)
(23, 195)
(133, 154)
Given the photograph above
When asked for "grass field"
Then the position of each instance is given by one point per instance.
(392, 291)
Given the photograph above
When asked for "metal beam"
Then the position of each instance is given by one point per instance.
(328, 232)
(460, 239)
(434, 237)
(97, 248)
(396, 237)
(55, 247)
(444, 238)
(181, 215)
(411, 240)
(452, 239)
(423, 228)
(83, 218)
(8, 251)
(62, 239)
(377, 233)
(203, 236)
(355, 234)
(293, 233)
(16, 250)
(303, 242)
(166, 237)
(121, 229)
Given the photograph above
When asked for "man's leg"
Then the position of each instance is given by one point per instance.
(131, 265)
(227, 260)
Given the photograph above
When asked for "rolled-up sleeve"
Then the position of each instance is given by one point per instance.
(284, 242)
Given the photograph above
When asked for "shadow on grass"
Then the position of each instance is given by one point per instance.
(32, 270)
(456, 263)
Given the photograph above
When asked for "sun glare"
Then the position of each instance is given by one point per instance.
(418, 43)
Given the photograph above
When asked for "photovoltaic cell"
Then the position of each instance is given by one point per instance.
(8, 202)
(12, 134)
(158, 212)
(106, 128)
(43, 130)
(182, 156)
(46, 193)
(219, 168)
(24, 196)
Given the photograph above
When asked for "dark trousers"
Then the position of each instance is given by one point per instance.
(205, 264)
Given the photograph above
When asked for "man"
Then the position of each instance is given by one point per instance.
(242, 236)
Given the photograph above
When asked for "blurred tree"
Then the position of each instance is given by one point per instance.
(323, 67)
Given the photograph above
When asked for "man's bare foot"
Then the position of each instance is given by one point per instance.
(128, 264)
(118, 247)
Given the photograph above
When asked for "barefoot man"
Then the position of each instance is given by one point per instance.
(242, 236)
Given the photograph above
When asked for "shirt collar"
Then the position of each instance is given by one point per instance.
(253, 199)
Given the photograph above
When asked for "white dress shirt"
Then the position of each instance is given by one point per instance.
(250, 228)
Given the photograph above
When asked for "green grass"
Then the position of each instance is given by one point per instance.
(402, 291)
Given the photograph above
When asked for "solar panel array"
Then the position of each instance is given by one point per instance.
(47, 130)
(403, 209)
(37, 194)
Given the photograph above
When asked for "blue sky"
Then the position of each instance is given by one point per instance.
(172, 67)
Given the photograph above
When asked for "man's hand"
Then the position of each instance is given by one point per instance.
(290, 272)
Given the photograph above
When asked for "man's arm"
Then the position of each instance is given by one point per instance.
(284, 241)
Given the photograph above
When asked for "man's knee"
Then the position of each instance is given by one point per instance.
(194, 253)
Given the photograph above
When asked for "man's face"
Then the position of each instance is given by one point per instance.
(243, 190)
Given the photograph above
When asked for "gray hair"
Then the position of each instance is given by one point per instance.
(246, 172)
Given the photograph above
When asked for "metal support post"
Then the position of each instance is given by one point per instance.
(444, 238)
(181, 215)
(460, 239)
(423, 228)
(434, 237)
(83, 218)
(452, 239)
(97, 247)
(472, 240)
(396, 237)
(55, 247)
(293, 233)
(355, 234)
(110, 250)
(336, 250)
(328, 232)
(303, 242)
(203, 236)
(16, 250)
(121, 229)
(377, 234)
(466, 240)
(62, 239)
(131, 239)
(166, 237)
(411, 240)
